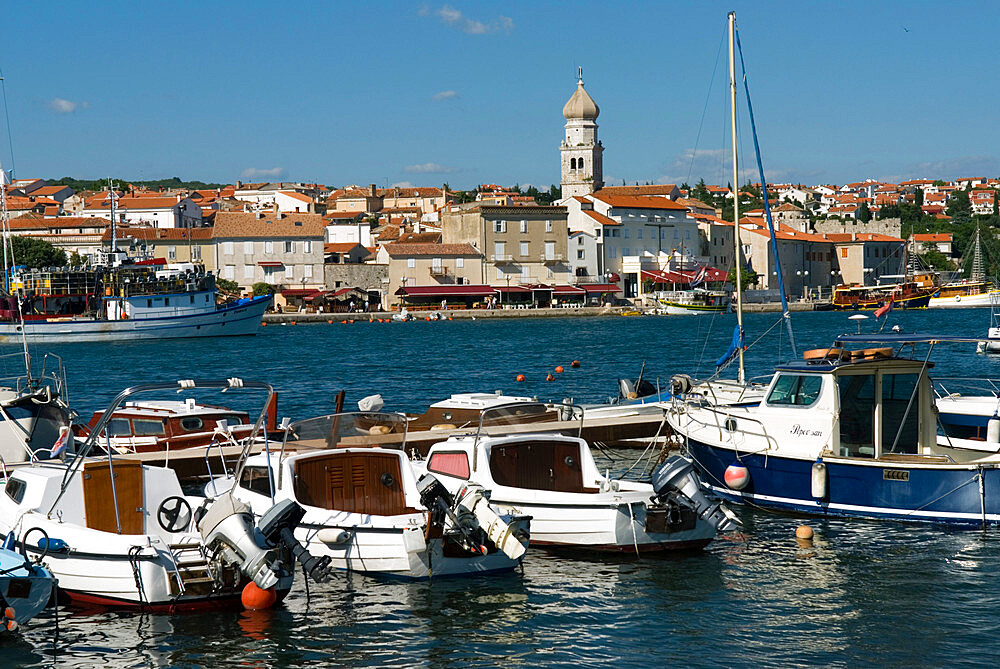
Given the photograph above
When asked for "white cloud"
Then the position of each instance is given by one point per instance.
(953, 168)
(402, 184)
(445, 95)
(258, 173)
(63, 106)
(456, 19)
(429, 168)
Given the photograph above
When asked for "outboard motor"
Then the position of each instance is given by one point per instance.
(277, 524)
(676, 477)
(469, 516)
(228, 527)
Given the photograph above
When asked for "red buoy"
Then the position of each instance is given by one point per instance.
(549, 377)
(263, 324)
(575, 363)
(519, 378)
(255, 598)
(330, 321)
(559, 369)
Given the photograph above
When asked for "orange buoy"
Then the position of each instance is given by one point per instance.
(428, 318)
(292, 323)
(255, 598)
(803, 532)
(9, 612)
(330, 321)
(549, 377)
(559, 369)
(575, 363)
(263, 324)
(11, 625)
(519, 378)
(343, 322)
(449, 318)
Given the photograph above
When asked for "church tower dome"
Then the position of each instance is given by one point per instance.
(581, 152)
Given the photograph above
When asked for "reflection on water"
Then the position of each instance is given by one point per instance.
(863, 593)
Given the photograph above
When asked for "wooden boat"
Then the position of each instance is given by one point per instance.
(907, 295)
(975, 291)
(118, 533)
(368, 511)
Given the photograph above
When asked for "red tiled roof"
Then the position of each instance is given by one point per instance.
(639, 202)
(933, 237)
(600, 218)
(398, 249)
(239, 224)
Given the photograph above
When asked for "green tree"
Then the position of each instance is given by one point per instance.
(36, 252)
(77, 260)
(262, 288)
(701, 192)
(958, 204)
(748, 277)
(227, 286)
(918, 197)
(864, 213)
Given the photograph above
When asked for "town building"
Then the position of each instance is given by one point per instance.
(581, 151)
(173, 211)
(174, 245)
(438, 271)
(284, 250)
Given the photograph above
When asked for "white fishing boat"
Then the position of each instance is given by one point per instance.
(974, 291)
(368, 511)
(25, 589)
(119, 533)
(694, 301)
(554, 479)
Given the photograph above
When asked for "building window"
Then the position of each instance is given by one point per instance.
(307, 271)
(307, 246)
(626, 251)
(248, 247)
(524, 227)
(248, 271)
(626, 233)
(525, 274)
(638, 233)
(843, 252)
(579, 254)
(548, 226)
(227, 248)
(460, 263)
(524, 249)
(499, 273)
(289, 247)
(597, 235)
(230, 272)
(499, 226)
(411, 262)
(290, 272)
(195, 253)
(499, 250)
(171, 253)
(269, 246)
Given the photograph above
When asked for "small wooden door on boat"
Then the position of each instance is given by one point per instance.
(99, 498)
(541, 465)
(353, 482)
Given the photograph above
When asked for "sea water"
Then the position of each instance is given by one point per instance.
(864, 593)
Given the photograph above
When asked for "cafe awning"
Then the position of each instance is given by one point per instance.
(464, 290)
(600, 288)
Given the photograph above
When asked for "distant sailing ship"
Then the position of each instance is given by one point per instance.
(975, 291)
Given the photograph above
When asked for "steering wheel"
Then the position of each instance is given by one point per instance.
(174, 514)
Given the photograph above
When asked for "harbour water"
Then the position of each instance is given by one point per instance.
(864, 593)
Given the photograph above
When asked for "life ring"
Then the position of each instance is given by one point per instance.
(958, 298)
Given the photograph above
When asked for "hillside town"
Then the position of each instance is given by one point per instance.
(323, 248)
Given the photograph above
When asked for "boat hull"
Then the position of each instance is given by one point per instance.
(960, 301)
(675, 309)
(928, 492)
(915, 302)
(26, 589)
(241, 319)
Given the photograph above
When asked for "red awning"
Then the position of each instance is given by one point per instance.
(613, 277)
(660, 276)
(511, 289)
(568, 290)
(341, 291)
(300, 292)
(601, 288)
(269, 263)
(151, 261)
(464, 290)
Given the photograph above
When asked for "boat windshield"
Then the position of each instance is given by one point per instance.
(795, 390)
(896, 392)
(858, 410)
(857, 415)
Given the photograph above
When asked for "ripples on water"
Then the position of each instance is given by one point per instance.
(864, 593)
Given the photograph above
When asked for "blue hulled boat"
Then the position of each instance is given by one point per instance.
(846, 433)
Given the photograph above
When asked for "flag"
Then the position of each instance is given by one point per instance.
(700, 276)
(884, 309)
(64, 440)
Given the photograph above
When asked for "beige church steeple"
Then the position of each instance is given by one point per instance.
(582, 164)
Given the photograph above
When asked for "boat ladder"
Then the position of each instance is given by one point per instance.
(192, 569)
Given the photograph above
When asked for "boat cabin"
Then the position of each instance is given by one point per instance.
(155, 426)
(862, 404)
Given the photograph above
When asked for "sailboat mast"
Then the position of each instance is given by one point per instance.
(114, 229)
(6, 227)
(736, 193)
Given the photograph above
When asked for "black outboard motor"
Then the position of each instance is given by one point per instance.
(277, 524)
(676, 480)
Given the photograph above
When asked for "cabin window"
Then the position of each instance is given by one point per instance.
(146, 427)
(896, 392)
(450, 463)
(15, 489)
(191, 423)
(119, 427)
(857, 415)
(795, 390)
(256, 479)
(149, 303)
(232, 419)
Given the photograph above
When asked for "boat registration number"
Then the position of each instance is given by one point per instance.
(895, 475)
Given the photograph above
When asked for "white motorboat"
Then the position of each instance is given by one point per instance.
(25, 589)
(554, 479)
(367, 510)
(116, 532)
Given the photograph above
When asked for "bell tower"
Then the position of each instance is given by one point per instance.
(581, 151)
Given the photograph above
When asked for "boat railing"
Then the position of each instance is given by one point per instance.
(730, 425)
(965, 386)
(493, 421)
(99, 430)
(352, 428)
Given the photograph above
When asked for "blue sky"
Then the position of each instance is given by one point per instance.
(468, 93)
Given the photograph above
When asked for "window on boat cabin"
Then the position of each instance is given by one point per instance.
(256, 479)
(191, 423)
(232, 419)
(119, 427)
(269, 246)
(896, 392)
(857, 414)
(248, 247)
(15, 488)
(449, 463)
(142, 427)
(800, 390)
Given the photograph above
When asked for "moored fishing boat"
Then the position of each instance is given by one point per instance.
(119, 533)
(554, 479)
(695, 301)
(850, 433)
(368, 511)
(974, 291)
